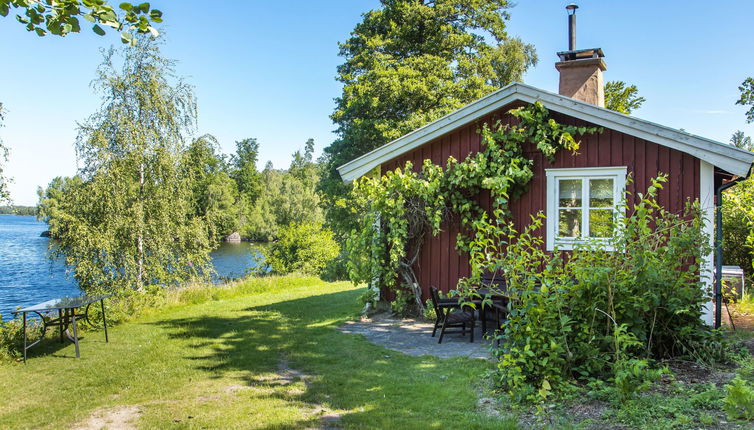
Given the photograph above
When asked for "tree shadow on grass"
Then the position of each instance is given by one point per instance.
(297, 340)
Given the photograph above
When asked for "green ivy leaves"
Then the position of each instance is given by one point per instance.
(396, 210)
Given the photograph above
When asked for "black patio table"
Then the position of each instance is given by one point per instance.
(499, 305)
(66, 308)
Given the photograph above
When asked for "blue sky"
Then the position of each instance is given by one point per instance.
(267, 70)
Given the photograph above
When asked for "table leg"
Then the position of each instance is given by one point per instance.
(483, 315)
(75, 332)
(24, 337)
(104, 320)
(60, 321)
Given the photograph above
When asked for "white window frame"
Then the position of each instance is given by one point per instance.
(617, 174)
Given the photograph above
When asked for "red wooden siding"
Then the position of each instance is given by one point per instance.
(441, 265)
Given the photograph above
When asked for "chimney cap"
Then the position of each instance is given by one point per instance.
(580, 54)
(571, 8)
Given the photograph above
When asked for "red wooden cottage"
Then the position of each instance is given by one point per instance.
(697, 167)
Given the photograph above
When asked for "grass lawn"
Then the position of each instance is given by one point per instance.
(266, 359)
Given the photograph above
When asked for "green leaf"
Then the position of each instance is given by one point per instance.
(126, 37)
(126, 6)
(97, 29)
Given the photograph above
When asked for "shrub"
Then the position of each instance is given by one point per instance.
(12, 337)
(302, 248)
(597, 313)
(739, 399)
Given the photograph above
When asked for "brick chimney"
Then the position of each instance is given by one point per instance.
(581, 69)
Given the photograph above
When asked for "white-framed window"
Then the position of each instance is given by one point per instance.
(581, 204)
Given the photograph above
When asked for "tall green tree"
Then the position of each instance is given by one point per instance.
(288, 197)
(213, 192)
(245, 172)
(747, 98)
(741, 141)
(621, 97)
(130, 222)
(61, 17)
(410, 62)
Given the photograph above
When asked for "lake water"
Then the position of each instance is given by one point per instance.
(28, 276)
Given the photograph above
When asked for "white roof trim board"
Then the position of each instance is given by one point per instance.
(724, 156)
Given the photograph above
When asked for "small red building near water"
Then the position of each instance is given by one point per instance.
(696, 167)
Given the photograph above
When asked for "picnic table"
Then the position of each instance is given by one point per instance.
(66, 308)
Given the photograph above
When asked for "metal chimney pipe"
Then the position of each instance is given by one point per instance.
(571, 8)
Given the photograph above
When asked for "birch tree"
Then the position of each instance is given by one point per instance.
(130, 223)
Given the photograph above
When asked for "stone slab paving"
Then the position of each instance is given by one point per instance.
(414, 337)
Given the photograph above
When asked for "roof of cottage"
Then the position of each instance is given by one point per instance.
(722, 155)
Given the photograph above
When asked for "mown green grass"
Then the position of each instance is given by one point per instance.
(217, 364)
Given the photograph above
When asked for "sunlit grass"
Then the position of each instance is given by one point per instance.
(263, 353)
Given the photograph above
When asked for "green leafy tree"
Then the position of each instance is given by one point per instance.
(214, 193)
(747, 98)
(622, 98)
(245, 172)
(411, 62)
(287, 197)
(303, 248)
(741, 141)
(303, 166)
(127, 221)
(61, 17)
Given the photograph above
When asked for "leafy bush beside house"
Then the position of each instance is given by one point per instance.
(600, 313)
(303, 248)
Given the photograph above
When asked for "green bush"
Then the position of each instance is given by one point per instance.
(302, 248)
(12, 337)
(739, 399)
(599, 312)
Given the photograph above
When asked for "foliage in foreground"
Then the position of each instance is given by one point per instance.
(61, 17)
(600, 313)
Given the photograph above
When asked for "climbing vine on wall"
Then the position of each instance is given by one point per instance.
(397, 209)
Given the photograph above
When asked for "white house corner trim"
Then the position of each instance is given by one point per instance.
(707, 203)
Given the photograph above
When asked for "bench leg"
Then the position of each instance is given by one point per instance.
(60, 321)
(24, 337)
(75, 332)
(104, 320)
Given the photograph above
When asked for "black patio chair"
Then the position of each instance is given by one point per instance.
(449, 314)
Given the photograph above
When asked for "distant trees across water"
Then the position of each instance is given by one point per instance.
(18, 210)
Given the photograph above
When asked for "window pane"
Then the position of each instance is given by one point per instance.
(569, 222)
(569, 193)
(601, 193)
(601, 223)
